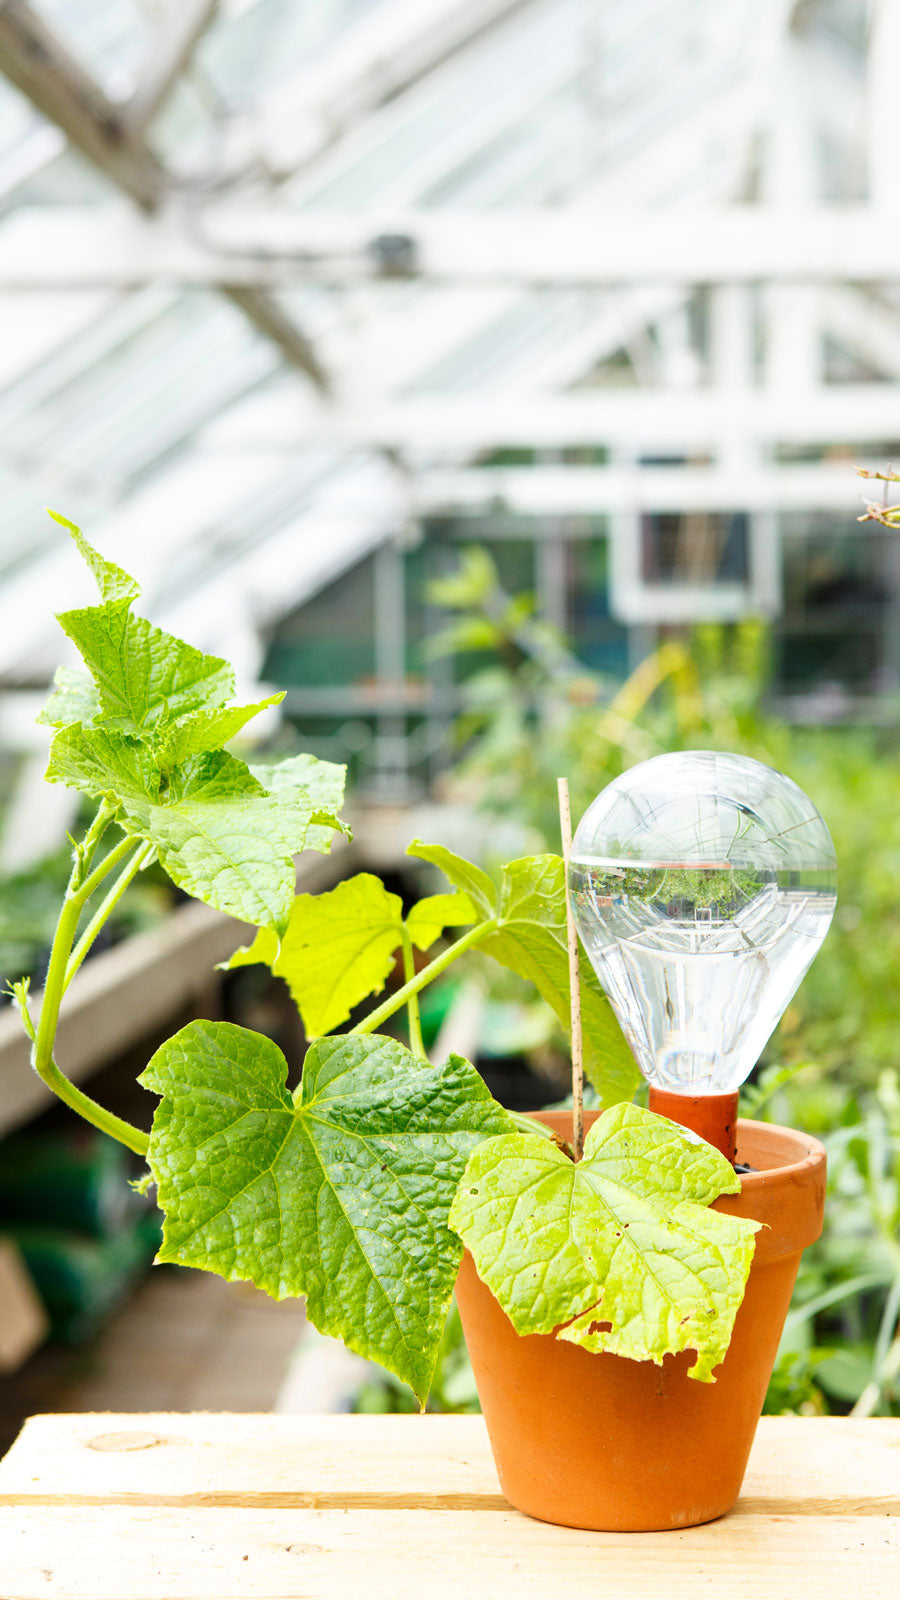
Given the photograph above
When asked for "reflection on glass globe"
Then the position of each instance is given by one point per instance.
(702, 886)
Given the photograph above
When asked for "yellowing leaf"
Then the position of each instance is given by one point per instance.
(428, 919)
(340, 946)
(463, 874)
(337, 948)
(618, 1252)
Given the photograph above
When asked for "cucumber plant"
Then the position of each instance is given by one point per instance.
(359, 1189)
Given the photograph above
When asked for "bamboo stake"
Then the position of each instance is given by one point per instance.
(565, 828)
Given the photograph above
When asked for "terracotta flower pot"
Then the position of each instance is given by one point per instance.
(598, 1441)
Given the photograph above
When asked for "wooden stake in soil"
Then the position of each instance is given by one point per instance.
(565, 828)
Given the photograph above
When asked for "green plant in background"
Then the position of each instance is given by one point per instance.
(348, 1189)
(841, 1346)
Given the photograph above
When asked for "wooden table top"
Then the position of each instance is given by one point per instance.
(237, 1507)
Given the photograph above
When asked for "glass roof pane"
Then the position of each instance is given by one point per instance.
(108, 37)
(170, 373)
(122, 400)
(255, 46)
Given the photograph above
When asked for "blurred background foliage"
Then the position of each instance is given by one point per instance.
(29, 907)
(533, 711)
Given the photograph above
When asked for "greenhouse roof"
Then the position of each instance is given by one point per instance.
(276, 278)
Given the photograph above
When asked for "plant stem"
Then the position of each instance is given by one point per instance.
(526, 1124)
(81, 886)
(105, 909)
(373, 1021)
(133, 1138)
(886, 1355)
(84, 851)
(82, 893)
(412, 1005)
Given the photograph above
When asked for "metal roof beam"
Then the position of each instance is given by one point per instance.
(112, 138)
(652, 420)
(74, 248)
(178, 36)
(33, 59)
(551, 491)
(882, 102)
(865, 326)
(262, 309)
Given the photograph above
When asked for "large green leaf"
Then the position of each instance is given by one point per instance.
(304, 780)
(73, 699)
(143, 675)
(207, 730)
(219, 834)
(530, 938)
(341, 1193)
(618, 1252)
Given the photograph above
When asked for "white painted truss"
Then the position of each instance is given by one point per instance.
(275, 280)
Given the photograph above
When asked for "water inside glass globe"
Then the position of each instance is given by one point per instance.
(702, 886)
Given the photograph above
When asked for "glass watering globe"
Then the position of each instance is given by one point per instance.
(702, 886)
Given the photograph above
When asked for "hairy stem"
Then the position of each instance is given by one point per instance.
(105, 909)
(84, 851)
(82, 884)
(373, 1021)
(412, 1005)
(82, 892)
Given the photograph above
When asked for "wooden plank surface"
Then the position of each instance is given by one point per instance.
(211, 1507)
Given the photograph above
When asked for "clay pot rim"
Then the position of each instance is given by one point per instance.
(814, 1150)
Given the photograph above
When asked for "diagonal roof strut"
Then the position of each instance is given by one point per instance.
(177, 38)
(111, 137)
(33, 59)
